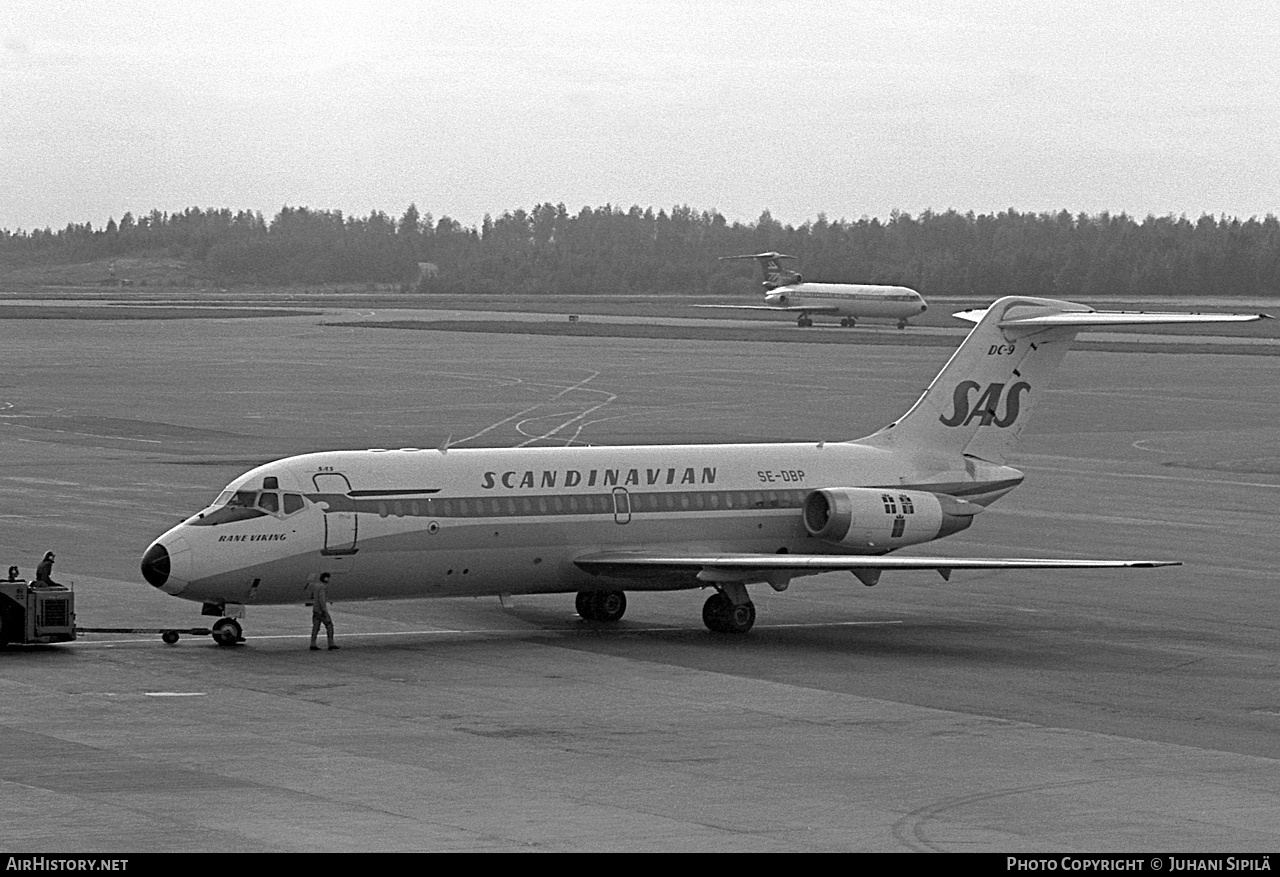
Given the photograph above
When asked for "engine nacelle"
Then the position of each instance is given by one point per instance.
(868, 517)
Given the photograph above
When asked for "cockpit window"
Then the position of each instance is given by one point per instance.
(242, 505)
(243, 499)
(230, 506)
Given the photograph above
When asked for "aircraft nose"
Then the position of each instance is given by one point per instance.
(168, 567)
(155, 565)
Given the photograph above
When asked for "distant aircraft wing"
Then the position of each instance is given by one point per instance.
(769, 567)
(785, 309)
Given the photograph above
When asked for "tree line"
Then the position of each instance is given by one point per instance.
(611, 250)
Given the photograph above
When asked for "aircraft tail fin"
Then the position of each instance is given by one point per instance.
(980, 402)
(771, 265)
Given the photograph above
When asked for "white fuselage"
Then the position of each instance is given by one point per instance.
(848, 300)
(414, 523)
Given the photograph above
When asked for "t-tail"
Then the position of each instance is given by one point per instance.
(978, 405)
(771, 265)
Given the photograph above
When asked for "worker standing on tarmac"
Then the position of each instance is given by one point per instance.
(44, 572)
(320, 613)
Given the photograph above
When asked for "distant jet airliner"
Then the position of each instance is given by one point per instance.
(603, 520)
(785, 290)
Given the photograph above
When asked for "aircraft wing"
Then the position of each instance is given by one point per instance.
(785, 309)
(766, 567)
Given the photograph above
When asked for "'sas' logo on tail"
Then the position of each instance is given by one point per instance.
(987, 405)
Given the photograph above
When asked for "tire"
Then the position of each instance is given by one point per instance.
(721, 616)
(170, 637)
(714, 612)
(608, 606)
(227, 632)
(740, 619)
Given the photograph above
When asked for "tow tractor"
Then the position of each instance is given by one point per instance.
(35, 613)
(31, 613)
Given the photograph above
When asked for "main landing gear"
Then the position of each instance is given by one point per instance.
(804, 321)
(729, 610)
(902, 324)
(604, 606)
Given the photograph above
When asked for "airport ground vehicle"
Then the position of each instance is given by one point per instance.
(40, 614)
(31, 613)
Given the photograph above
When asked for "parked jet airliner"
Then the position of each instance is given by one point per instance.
(786, 291)
(599, 521)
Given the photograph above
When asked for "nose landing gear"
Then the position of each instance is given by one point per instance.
(228, 632)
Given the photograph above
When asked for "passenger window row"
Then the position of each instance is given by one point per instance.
(589, 504)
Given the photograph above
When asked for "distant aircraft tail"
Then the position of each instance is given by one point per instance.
(980, 402)
(771, 265)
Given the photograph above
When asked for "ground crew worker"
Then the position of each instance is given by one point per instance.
(320, 613)
(44, 572)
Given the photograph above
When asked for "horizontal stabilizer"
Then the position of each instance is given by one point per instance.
(1088, 319)
(770, 255)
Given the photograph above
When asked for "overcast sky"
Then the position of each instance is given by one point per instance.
(845, 108)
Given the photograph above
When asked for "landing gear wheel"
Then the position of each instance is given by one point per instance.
(848, 322)
(170, 637)
(227, 632)
(902, 324)
(721, 616)
(804, 322)
(740, 618)
(603, 606)
(714, 612)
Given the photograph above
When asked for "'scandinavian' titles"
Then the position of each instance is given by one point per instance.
(531, 479)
